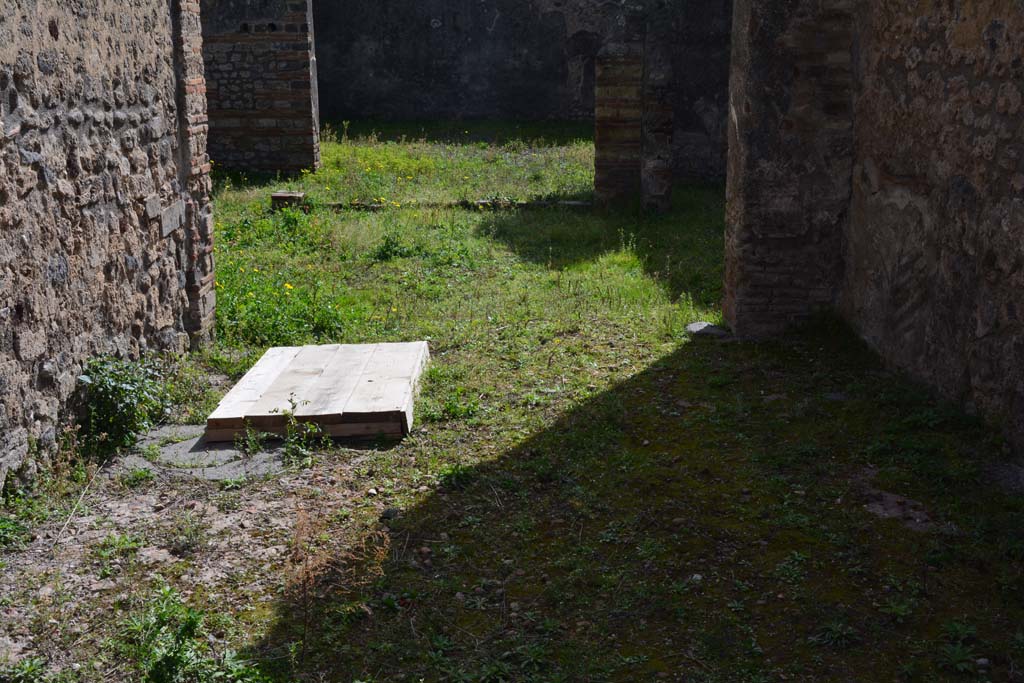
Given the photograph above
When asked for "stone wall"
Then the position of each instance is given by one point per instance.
(700, 48)
(514, 59)
(935, 248)
(105, 221)
(262, 84)
(877, 167)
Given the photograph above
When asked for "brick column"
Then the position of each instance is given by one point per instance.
(194, 173)
(618, 122)
(633, 132)
(790, 161)
(261, 76)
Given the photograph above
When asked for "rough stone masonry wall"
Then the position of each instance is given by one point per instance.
(935, 247)
(104, 199)
(261, 84)
(514, 59)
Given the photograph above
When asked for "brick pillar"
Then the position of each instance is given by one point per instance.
(790, 161)
(261, 76)
(633, 112)
(618, 122)
(194, 173)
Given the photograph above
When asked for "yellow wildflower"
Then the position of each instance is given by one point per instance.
(288, 285)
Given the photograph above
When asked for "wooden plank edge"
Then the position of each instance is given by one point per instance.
(337, 431)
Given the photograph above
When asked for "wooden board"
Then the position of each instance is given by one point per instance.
(290, 389)
(360, 390)
(387, 386)
(230, 414)
(326, 398)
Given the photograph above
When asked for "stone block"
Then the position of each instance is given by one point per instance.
(173, 217)
(283, 199)
(153, 207)
(29, 345)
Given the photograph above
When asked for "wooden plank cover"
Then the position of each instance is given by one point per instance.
(350, 391)
(289, 390)
(326, 397)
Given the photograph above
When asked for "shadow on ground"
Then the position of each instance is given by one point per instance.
(681, 249)
(703, 521)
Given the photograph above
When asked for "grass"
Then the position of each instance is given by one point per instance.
(588, 458)
(590, 494)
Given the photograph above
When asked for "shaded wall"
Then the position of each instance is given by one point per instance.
(261, 84)
(935, 250)
(513, 59)
(105, 221)
(877, 167)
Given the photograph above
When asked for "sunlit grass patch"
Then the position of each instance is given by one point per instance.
(448, 274)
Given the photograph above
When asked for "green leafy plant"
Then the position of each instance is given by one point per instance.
(121, 399)
(957, 654)
(959, 632)
(391, 247)
(791, 570)
(898, 609)
(137, 478)
(957, 657)
(835, 634)
(169, 643)
(455, 476)
(460, 404)
(31, 670)
(114, 550)
(186, 534)
(233, 484)
(150, 452)
(251, 441)
(302, 440)
(12, 532)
